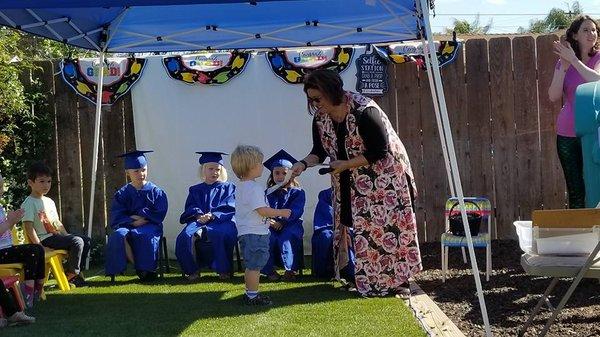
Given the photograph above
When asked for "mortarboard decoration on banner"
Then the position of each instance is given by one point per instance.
(413, 51)
(120, 74)
(206, 68)
(293, 64)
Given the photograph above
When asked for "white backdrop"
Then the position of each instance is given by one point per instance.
(176, 119)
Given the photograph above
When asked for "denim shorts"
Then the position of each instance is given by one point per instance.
(255, 250)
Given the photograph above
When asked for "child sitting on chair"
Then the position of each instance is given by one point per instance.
(42, 225)
(286, 234)
(209, 219)
(31, 256)
(137, 212)
(250, 213)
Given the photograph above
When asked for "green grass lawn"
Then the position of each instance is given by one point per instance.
(172, 307)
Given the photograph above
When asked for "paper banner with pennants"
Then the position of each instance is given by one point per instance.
(120, 74)
(206, 68)
(292, 65)
(413, 51)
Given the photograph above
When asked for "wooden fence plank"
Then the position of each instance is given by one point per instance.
(67, 119)
(87, 116)
(45, 76)
(409, 131)
(480, 181)
(435, 185)
(553, 183)
(113, 138)
(529, 194)
(387, 102)
(503, 135)
(453, 79)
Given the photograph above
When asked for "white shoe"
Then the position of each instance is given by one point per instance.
(20, 318)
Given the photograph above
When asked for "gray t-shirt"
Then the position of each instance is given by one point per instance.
(42, 212)
(249, 196)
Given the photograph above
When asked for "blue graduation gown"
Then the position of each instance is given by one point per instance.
(219, 200)
(322, 241)
(149, 202)
(286, 244)
(322, 238)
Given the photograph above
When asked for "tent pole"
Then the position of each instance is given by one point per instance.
(96, 145)
(453, 162)
(436, 107)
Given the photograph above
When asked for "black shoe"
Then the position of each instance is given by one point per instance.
(258, 300)
(79, 281)
(146, 276)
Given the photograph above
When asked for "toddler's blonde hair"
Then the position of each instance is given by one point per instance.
(244, 158)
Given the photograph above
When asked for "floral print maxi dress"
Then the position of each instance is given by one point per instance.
(385, 231)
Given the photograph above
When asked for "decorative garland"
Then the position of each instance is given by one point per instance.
(446, 53)
(186, 69)
(293, 73)
(84, 84)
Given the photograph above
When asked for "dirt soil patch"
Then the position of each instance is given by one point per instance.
(510, 294)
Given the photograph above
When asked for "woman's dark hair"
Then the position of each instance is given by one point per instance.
(328, 82)
(574, 28)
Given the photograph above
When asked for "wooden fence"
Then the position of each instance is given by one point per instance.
(73, 142)
(502, 123)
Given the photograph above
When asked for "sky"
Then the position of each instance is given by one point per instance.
(507, 15)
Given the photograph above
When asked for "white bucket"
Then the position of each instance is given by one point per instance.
(572, 244)
(525, 233)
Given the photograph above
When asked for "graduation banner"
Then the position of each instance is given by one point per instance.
(414, 51)
(206, 68)
(120, 74)
(293, 64)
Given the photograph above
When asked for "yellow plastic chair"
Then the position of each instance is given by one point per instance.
(13, 269)
(54, 258)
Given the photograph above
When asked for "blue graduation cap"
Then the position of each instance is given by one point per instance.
(134, 159)
(211, 157)
(280, 159)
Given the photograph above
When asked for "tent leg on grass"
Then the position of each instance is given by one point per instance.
(437, 88)
(96, 145)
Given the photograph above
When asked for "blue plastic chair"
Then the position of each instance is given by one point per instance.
(482, 240)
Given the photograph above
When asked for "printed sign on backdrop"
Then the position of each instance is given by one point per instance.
(206, 68)
(372, 75)
(293, 64)
(120, 74)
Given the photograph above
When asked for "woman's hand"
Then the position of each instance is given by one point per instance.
(566, 53)
(298, 168)
(339, 166)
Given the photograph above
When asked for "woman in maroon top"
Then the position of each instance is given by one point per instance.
(372, 183)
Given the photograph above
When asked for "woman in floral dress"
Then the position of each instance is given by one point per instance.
(372, 182)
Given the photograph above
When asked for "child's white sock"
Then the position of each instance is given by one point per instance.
(251, 294)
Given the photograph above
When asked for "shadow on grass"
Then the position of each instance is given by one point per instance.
(156, 312)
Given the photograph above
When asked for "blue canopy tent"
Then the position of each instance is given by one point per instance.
(136, 26)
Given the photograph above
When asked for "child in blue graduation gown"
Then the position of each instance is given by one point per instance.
(322, 238)
(286, 234)
(209, 221)
(137, 212)
(322, 242)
